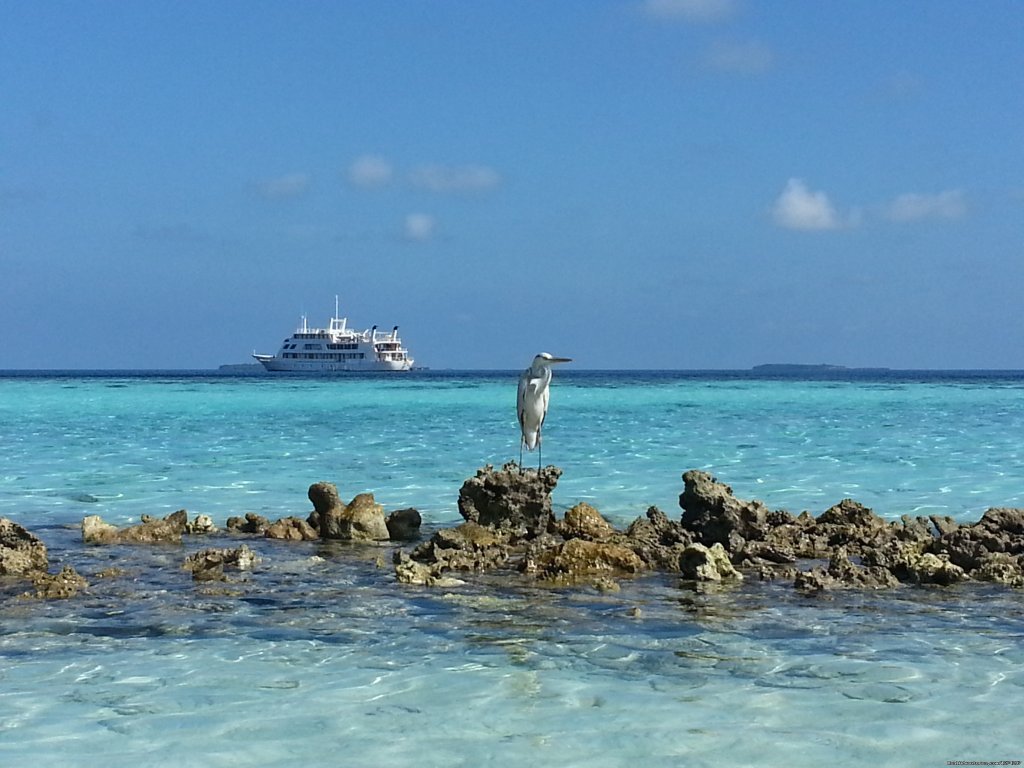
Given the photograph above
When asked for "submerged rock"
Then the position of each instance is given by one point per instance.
(65, 584)
(209, 564)
(466, 547)
(21, 552)
(23, 555)
(707, 563)
(409, 571)
(578, 560)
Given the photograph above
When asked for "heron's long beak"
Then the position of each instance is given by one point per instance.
(560, 360)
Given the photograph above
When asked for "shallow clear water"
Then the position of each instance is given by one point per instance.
(319, 657)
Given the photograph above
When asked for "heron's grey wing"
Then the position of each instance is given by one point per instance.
(544, 397)
(524, 383)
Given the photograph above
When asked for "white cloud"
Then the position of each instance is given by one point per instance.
(747, 58)
(370, 171)
(419, 227)
(800, 208)
(704, 11)
(290, 185)
(913, 207)
(467, 178)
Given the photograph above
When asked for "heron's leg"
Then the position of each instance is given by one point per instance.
(521, 455)
(540, 452)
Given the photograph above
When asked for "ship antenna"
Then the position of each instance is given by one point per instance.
(335, 305)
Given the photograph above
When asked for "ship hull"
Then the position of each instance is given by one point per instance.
(276, 365)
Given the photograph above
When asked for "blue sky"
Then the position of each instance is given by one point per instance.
(632, 183)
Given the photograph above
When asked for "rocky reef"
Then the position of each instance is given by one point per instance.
(23, 557)
(718, 538)
(510, 527)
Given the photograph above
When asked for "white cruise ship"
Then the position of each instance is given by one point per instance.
(338, 349)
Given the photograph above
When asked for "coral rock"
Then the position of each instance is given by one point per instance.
(362, 519)
(203, 524)
(935, 569)
(404, 524)
(579, 559)
(251, 523)
(151, 531)
(716, 516)
(59, 586)
(510, 498)
(585, 522)
(209, 564)
(291, 529)
(21, 552)
(707, 563)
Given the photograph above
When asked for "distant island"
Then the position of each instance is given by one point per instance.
(804, 368)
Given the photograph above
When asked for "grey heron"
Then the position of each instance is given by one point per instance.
(532, 402)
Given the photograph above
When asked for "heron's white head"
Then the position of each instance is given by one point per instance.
(544, 359)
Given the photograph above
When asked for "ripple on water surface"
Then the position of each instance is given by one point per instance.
(320, 654)
(319, 650)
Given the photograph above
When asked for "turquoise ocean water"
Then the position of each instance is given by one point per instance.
(319, 658)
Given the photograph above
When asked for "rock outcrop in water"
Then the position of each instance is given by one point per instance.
(251, 523)
(718, 536)
(404, 524)
(511, 499)
(23, 557)
(290, 529)
(21, 552)
(167, 530)
(510, 527)
(510, 523)
(862, 549)
(362, 519)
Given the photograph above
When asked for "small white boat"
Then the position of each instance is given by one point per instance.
(338, 349)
